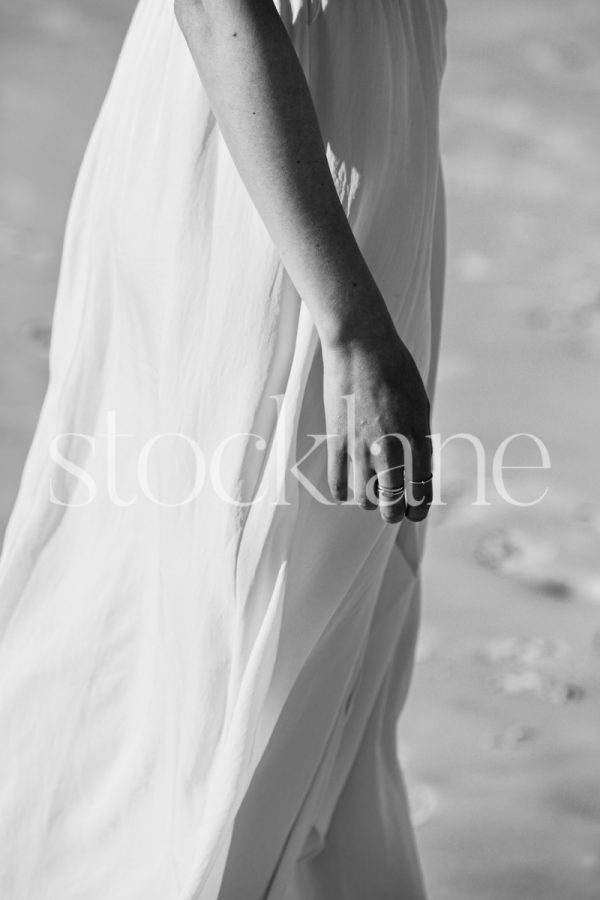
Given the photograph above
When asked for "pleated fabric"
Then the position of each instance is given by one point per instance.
(198, 697)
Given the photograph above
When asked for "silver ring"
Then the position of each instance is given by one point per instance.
(427, 480)
(391, 492)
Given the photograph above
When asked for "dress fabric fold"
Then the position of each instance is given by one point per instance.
(199, 697)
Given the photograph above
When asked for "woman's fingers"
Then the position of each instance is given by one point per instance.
(419, 483)
(337, 467)
(382, 477)
(389, 462)
(364, 482)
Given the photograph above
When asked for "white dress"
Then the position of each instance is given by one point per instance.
(198, 698)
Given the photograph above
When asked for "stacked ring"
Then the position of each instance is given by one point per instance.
(426, 481)
(391, 492)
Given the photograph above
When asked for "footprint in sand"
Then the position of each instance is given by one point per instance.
(513, 552)
(527, 682)
(527, 651)
(560, 692)
(545, 687)
(511, 738)
(529, 659)
(562, 571)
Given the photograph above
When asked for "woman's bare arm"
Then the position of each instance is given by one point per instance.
(261, 100)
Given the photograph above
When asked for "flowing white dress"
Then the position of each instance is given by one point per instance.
(198, 698)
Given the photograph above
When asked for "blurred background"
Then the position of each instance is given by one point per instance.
(501, 737)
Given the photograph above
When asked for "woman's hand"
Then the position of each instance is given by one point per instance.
(373, 392)
(250, 71)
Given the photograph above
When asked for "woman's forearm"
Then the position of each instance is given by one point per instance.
(263, 106)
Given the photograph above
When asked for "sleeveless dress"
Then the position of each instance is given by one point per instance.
(202, 658)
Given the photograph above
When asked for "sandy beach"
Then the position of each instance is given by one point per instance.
(501, 737)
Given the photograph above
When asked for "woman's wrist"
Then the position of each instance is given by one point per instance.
(355, 318)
